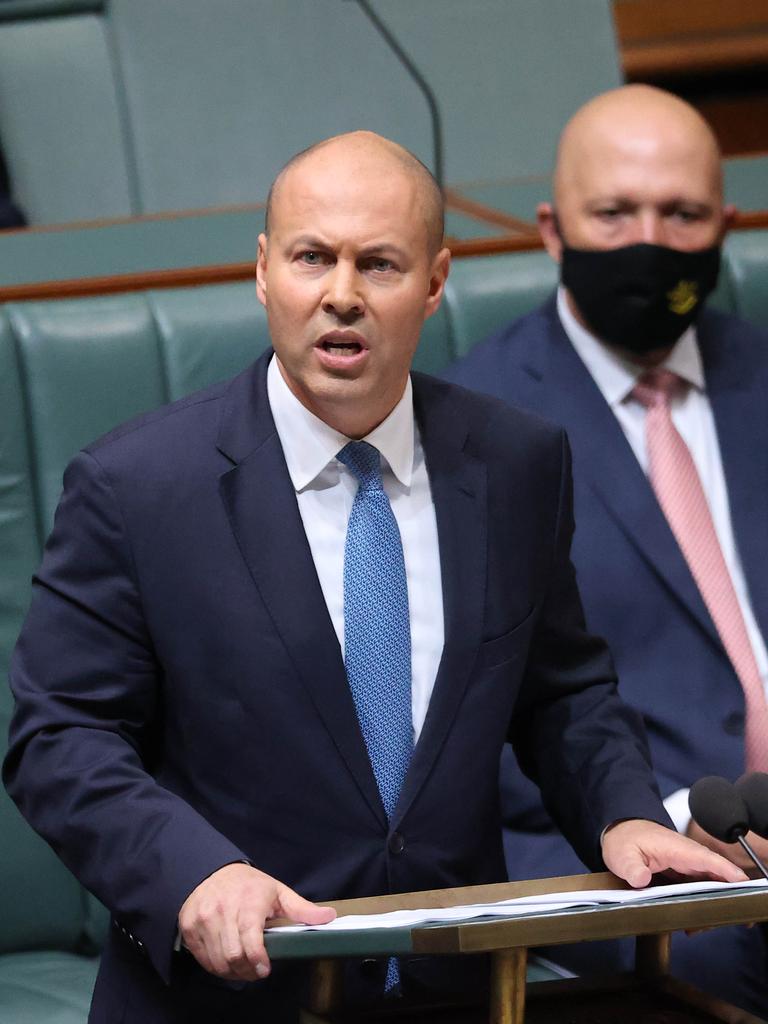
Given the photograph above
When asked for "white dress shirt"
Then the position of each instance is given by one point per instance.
(692, 415)
(325, 489)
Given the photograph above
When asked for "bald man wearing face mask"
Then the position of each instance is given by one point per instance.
(664, 402)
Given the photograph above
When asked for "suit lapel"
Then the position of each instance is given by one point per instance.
(264, 515)
(458, 485)
(605, 462)
(737, 393)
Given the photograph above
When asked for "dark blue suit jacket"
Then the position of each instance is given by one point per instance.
(182, 700)
(636, 588)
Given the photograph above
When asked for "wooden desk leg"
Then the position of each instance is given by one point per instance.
(325, 985)
(652, 955)
(508, 968)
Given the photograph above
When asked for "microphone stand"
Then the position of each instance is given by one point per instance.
(756, 860)
(413, 71)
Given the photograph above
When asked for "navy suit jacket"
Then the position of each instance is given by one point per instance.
(635, 585)
(181, 695)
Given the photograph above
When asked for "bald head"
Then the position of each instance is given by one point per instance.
(636, 168)
(368, 151)
(635, 164)
(646, 126)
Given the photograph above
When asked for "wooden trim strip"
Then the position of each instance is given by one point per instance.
(456, 201)
(690, 56)
(111, 222)
(189, 277)
(747, 220)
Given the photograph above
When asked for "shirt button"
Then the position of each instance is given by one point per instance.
(396, 843)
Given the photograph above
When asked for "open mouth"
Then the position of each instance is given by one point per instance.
(342, 344)
(342, 348)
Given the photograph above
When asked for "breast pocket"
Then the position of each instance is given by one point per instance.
(508, 646)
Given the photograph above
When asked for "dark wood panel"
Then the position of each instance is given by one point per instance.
(662, 37)
(712, 53)
(640, 20)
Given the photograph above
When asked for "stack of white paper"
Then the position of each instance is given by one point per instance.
(524, 906)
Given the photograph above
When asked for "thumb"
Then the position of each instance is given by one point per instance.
(297, 909)
(633, 868)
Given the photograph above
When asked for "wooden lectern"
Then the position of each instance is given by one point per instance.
(649, 995)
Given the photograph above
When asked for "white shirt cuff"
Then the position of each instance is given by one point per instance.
(677, 808)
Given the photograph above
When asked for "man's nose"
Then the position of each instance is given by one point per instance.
(343, 296)
(651, 228)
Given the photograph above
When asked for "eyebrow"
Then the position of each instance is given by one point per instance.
(623, 199)
(375, 249)
(382, 248)
(308, 241)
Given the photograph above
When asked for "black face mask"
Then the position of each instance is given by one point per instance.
(640, 297)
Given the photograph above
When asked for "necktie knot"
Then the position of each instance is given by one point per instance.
(365, 462)
(658, 388)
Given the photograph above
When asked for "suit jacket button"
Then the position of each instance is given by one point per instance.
(733, 724)
(370, 968)
(396, 843)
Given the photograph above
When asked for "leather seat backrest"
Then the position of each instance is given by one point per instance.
(747, 253)
(61, 121)
(484, 293)
(41, 905)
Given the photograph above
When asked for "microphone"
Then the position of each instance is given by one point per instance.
(753, 789)
(434, 112)
(719, 808)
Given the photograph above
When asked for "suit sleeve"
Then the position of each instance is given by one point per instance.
(86, 729)
(572, 734)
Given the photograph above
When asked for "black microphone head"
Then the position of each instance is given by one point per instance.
(753, 789)
(718, 807)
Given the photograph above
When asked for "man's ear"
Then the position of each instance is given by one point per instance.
(730, 213)
(261, 270)
(550, 236)
(437, 278)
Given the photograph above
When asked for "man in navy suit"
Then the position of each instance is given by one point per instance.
(636, 225)
(186, 735)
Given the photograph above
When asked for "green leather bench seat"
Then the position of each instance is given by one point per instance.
(61, 120)
(747, 253)
(69, 371)
(46, 988)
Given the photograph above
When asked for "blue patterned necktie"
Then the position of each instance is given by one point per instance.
(377, 633)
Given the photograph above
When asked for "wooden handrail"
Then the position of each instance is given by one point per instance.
(187, 277)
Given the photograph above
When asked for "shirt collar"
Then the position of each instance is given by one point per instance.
(309, 444)
(616, 376)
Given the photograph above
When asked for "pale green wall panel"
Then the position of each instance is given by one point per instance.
(220, 95)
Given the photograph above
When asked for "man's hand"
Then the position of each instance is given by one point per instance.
(635, 850)
(222, 920)
(733, 852)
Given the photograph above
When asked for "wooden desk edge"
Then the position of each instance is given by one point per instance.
(585, 924)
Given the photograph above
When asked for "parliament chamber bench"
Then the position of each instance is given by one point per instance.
(71, 369)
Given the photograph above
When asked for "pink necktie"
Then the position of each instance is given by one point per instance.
(680, 494)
